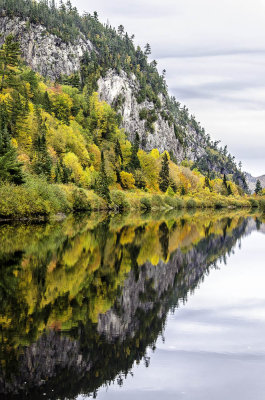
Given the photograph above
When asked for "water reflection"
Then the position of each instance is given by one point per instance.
(81, 300)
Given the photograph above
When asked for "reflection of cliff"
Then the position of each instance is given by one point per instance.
(103, 305)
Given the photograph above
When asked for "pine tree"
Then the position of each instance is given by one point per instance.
(147, 49)
(102, 188)
(229, 190)
(118, 152)
(164, 174)
(9, 60)
(225, 181)
(10, 168)
(258, 188)
(134, 161)
(42, 163)
(47, 102)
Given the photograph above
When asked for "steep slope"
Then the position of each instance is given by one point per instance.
(59, 42)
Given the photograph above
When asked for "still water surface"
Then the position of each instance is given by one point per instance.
(121, 307)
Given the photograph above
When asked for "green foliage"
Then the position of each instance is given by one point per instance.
(191, 203)
(102, 188)
(258, 188)
(145, 203)
(9, 60)
(254, 203)
(134, 160)
(10, 168)
(80, 201)
(164, 174)
(157, 202)
(118, 200)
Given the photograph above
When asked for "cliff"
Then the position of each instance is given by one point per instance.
(251, 181)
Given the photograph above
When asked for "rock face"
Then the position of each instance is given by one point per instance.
(44, 52)
(112, 86)
(51, 57)
(251, 181)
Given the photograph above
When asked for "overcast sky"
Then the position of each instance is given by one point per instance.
(214, 55)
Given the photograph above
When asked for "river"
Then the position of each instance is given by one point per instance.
(144, 306)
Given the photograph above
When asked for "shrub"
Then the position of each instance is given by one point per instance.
(118, 200)
(254, 203)
(219, 204)
(174, 202)
(191, 203)
(145, 203)
(80, 201)
(157, 201)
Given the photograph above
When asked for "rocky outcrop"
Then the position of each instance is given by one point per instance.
(45, 53)
(251, 181)
(112, 86)
(52, 57)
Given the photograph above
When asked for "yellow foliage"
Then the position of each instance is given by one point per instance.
(155, 154)
(127, 180)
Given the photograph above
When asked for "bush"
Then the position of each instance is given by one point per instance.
(219, 204)
(254, 203)
(118, 200)
(191, 203)
(145, 203)
(80, 201)
(36, 198)
(174, 202)
(157, 201)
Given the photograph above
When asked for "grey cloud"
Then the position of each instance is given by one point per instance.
(214, 54)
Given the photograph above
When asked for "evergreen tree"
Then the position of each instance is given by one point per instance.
(229, 190)
(134, 161)
(118, 152)
(42, 163)
(102, 188)
(225, 181)
(164, 174)
(258, 188)
(47, 102)
(9, 60)
(147, 49)
(207, 182)
(10, 168)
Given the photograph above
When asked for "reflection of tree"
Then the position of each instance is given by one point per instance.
(87, 283)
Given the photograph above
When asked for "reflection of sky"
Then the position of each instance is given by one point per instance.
(214, 345)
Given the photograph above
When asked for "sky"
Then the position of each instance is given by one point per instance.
(214, 55)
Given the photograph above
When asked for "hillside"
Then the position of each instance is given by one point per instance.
(78, 50)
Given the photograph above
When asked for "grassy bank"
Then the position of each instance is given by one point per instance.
(39, 199)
